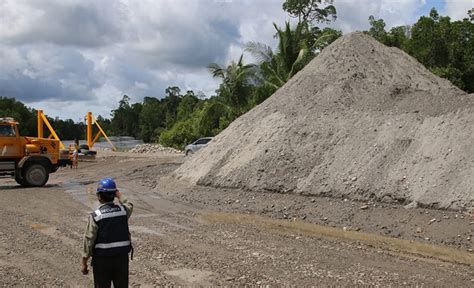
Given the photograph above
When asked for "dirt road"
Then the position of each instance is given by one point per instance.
(200, 236)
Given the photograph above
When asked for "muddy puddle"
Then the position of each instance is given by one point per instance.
(84, 192)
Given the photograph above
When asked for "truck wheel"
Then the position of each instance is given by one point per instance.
(35, 175)
(18, 179)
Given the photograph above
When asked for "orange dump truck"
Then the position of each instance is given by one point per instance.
(29, 160)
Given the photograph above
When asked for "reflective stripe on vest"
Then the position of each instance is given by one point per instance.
(112, 245)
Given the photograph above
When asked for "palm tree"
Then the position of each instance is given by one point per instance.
(215, 117)
(290, 57)
(322, 38)
(238, 79)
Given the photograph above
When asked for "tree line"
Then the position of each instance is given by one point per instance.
(178, 118)
(27, 117)
(443, 46)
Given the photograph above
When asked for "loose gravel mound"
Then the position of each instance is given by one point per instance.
(153, 148)
(362, 121)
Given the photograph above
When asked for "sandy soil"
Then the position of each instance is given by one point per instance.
(199, 236)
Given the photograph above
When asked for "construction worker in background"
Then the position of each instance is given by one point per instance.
(107, 237)
(75, 158)
(74, 153)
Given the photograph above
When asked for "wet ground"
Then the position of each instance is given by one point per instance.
(201, 236)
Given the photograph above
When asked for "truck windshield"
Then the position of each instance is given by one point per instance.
(7, 131)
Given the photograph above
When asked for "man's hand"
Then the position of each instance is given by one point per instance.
(84, 268)
(118, 194)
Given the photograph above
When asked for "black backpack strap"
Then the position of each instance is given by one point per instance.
(131, 246)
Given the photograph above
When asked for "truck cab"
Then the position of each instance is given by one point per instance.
(10, 140)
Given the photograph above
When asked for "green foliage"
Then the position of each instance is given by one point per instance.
(125, 119)
(151, 117)
(377, 28)
(208, 119)
(452, 74)
(181, 134)
(67, 129)
(165, 120)
(292, 54)
(320, 11)
(296, 48)
(320, 39)
(171, 102)
(237, 84)
(9, 107)
(430, 40)
(443, 46)
(27, 117)
(214, 117)
(293, 51)
(105, 124)
(397, 37)
(187, 105)
(262, 93)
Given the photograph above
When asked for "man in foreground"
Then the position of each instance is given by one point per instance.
(107, 237)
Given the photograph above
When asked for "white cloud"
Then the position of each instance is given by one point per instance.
(43, 71)
(92, 52)
(457, 9)
(86, 54)
(354, 15)
(84, 23)
(11, 61)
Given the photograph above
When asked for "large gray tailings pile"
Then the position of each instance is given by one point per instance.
(362, 121)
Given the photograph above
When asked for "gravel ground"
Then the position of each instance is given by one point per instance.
(200, 236)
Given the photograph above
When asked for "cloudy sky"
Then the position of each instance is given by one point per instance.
(68, 57)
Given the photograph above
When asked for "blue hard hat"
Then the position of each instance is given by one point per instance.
(107, 185)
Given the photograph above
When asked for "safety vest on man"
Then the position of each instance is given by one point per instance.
(113, 236)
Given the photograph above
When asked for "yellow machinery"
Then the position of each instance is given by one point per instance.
(42, 120)
(85, 151)
(92, 140)
(29, 160)
(91, 121)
